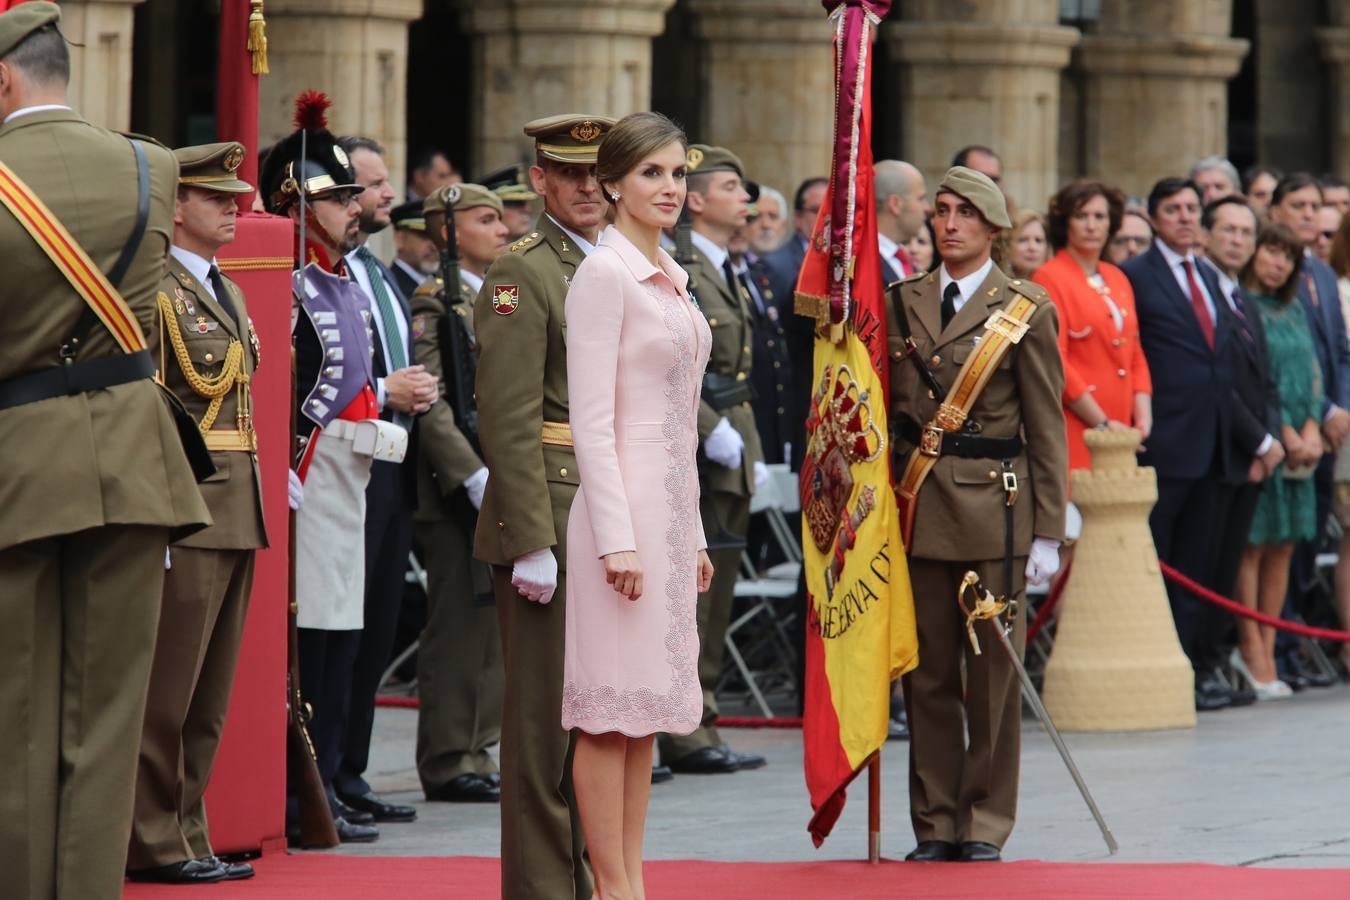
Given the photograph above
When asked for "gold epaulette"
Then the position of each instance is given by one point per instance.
(527, 241)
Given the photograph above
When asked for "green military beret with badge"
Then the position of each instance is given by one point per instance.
(212, 167)
(700, 159)
(979, 191)
(570, 137)
(460, 197)
(24, 19)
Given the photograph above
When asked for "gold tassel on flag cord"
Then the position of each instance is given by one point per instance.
(257, 37)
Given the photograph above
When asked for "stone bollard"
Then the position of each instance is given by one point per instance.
(1117, 664)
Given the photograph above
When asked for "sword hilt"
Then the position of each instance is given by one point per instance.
(986, 606)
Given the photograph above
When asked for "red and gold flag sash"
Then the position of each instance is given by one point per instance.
(1002, 330)
(62, 249)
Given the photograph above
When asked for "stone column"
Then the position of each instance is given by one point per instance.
(768, 86)
(100, 76)
(982, 72)
(538, 58)
(1150, 57)
(355, 51)
(1334, 42)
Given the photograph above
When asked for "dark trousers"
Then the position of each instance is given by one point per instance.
(1182, 523)
(1302, 595)
(388, 540)
(327, 659)
(1234, 509)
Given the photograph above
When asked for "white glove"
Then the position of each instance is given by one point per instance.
(1043, 562)
(535, 575)
(168, 563)
(295, 490)
(761, 474)
(725, 445)
(475, 484)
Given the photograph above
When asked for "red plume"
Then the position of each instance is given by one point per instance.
(311, 110)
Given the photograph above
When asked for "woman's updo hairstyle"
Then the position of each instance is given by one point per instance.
(632, 139)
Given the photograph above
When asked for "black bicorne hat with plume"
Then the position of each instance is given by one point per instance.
(324, 167)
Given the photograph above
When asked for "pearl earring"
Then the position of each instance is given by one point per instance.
(614, 195)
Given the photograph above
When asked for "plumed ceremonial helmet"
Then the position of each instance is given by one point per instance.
(325, 168)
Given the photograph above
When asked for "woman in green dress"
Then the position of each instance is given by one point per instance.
(1287, 510)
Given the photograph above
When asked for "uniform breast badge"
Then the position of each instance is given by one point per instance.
(419, 326)
(205, 326)
(843, 434)
(505, 299)
(183, 303)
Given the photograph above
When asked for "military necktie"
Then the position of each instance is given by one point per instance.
(949, 303)
(398, 356)
(223, 297)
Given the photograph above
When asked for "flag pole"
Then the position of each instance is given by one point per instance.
(874, 809)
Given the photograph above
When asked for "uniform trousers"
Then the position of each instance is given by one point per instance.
(326, 660)
(80, 613)
(201, 622)
(962, 790)
(726, 517)
(388, 541)
(542, 843)
(459, 662)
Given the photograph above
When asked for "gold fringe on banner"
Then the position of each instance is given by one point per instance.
(257, 37)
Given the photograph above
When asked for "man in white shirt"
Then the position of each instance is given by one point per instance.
(404, 390)
(902, 209)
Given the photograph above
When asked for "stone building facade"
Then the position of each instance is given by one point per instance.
(1127, 90)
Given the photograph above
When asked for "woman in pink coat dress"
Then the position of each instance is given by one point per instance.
(636, 556)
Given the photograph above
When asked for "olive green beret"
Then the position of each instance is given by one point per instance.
(461, 197)
(702, 158)
(23, 20)
(979, 191)
(570, 137)
(212, 167)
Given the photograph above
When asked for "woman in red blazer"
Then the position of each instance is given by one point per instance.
(1106, 380)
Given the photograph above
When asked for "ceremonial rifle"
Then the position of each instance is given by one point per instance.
(456, 347)
(302, 769)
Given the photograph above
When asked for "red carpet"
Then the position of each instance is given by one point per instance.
(282, 877)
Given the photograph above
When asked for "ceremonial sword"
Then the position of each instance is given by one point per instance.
(987, 607)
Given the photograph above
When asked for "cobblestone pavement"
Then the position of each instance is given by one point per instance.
(1266, 785)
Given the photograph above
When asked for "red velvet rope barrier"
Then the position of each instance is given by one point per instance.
(1233, 606)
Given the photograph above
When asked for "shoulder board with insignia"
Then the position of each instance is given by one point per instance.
(143, 138)
(1029, 289)
(526, 241)
(906, 280)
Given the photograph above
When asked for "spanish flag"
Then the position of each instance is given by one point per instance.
(860, 613)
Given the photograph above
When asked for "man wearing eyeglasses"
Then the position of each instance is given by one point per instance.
(1131, 240)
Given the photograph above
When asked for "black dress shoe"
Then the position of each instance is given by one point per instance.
(352, 815)
(495, 778)
(1211, 694)
(355, 834)
(744, 760)
(979, 851)
(662, 774)
(932, 851)
(370, 802)
(898, 729)
(1311, 674)
(704, 761)
(234, 871)
(466, 788)
(190, 871)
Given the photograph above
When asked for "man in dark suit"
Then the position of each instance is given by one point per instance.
(1295, 202)
(1230, 227)
(902, 209)
(404, 390)
(1186, 331)
(783, 265)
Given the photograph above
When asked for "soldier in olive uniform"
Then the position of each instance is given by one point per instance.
(95, 479)
(459, 655)
(522, 526)
(512, 185)
(207, 351)
(731, 461)
(996, 484)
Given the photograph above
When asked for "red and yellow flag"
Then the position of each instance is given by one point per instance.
(860, 613)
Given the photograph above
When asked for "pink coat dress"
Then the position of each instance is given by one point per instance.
(636, 350)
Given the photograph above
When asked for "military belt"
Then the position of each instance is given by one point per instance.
(231, 439)
(76, 378)
(557, 434)
(963, 444)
